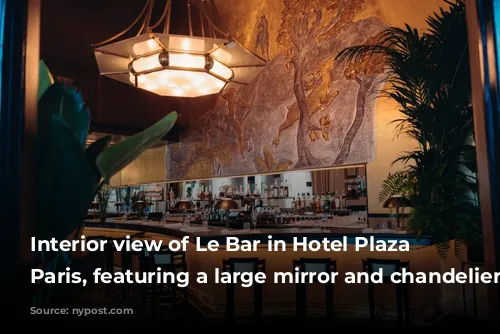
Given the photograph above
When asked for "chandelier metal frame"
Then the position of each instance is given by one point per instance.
(224, 58)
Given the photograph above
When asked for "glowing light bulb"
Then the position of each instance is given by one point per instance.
(146, 63)
(145, 47)
(178, 91)
(219, 83)
(150, 86)
(204, 90)
(162, 80)
(221, 70)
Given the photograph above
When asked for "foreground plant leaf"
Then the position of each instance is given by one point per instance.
(64, 182)
(68, 103)
(116, 157)
(92, 152)
(45, 79)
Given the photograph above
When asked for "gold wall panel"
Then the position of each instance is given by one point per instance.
(305, 110)
(147, 168)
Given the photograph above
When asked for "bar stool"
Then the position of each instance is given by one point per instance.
(402, 296)
(253, 265)
(318, 266)
(168, 261)
(464, 291)
(127, 264)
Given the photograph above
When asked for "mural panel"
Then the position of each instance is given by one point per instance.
(149, 167)
(305, 110)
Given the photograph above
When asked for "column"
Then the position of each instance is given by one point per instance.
(483, 20)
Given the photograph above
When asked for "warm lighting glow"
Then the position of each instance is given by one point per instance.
(146, 63)
(178, 91)
(222, 56)
(177, 65)
(221, 70)
(189, 78)
(169, 82)
(181, 43)
(184, 60)
(146, 47)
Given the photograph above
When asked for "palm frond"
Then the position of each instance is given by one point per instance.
(398, 183)
(428, 76)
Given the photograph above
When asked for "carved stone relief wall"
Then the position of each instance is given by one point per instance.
(305, 110)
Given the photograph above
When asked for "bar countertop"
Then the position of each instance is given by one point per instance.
(278, 233)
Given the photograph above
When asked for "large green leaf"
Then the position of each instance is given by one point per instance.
(67, 102)
(64, 181)
(45, 79)
(92, 152)
(116, 157)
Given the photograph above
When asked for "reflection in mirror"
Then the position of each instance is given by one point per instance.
(330, 198)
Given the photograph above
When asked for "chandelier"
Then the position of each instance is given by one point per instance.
(178, 65)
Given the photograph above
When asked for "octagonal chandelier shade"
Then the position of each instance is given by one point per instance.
(177, 65)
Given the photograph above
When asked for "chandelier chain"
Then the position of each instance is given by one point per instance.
(215, 28)
(124, 31)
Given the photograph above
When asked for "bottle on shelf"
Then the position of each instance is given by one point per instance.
(363, 186)
(201, 195)
(298, 202)
(281, 193)
(275, 188)
(210, 196)
(285, 191)
(271, 191)
(249, 191)
(171, 194)
(256, 193)
(326, 203)
(308, 200)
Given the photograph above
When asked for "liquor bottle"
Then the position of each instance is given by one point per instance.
(276, 188)
(363, 186)
(308, 200)
(282, 189)
(337, 200)
(210, 196)
(201, 195)
(299, 202)
(271, 191)
(171, 194)
(256, 193)
(303, 201)
(249, 191)
(285, 192)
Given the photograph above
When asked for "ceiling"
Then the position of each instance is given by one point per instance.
(69, 28)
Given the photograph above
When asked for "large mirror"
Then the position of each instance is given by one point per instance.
(289, 190)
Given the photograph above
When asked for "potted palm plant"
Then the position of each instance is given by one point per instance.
(428, 75)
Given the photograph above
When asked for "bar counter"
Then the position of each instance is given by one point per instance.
(427, 301)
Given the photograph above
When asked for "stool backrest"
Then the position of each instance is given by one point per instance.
(315, 265)
(167, 258)
(246, 264)
(387, 266)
